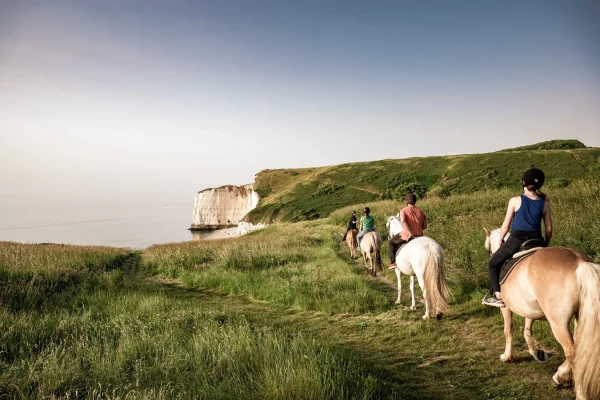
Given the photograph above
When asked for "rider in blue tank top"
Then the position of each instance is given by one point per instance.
(524, 217)
(529, 216)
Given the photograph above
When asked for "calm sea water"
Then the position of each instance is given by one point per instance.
(123, 226)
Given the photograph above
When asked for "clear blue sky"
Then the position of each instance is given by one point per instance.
(139, 100)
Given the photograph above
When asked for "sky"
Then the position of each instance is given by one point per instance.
(147, 101)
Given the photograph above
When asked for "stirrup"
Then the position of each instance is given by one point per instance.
(493, 301)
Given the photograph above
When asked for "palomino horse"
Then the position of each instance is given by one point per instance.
(351, 242)
(370, 246)
(422, 257)
(557, 283)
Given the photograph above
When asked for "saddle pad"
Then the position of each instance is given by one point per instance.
(525, 252)
(512, 263)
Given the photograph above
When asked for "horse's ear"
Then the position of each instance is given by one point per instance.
(487, 233)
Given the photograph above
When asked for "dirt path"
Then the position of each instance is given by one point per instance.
(343, 247)
(351, 187)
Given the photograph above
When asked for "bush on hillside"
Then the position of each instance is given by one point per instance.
(403, 189)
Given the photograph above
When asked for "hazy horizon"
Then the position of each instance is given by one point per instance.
(109, 104)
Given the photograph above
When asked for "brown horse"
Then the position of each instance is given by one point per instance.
(351, 242)
(370, 246)
(557, 284)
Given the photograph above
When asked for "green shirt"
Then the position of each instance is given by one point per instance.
(368, 223)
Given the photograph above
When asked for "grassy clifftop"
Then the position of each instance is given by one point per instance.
(311, 193)
(551, 145)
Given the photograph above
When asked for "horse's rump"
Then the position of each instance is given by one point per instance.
(371, 243)
(351, 237)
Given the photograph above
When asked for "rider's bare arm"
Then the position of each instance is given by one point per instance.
(510, 212)
(404, 224)
(548, 222)
(425, 223)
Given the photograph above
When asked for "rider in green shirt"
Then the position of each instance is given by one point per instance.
(367, 224)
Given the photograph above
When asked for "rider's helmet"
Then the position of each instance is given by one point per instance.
(533, 177)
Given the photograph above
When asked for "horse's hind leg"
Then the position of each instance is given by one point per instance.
(538, 354)
(399, 284)
(373, 266)
(422, 284)
(507, 355)
(412, 292)
(561, 332)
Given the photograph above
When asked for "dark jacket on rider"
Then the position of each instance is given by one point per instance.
(352, 222)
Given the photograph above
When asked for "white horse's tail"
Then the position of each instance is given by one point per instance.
(435, 281)
(586, 371)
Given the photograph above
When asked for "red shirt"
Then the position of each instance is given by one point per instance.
(415, 219)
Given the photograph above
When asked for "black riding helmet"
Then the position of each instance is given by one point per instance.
(533, 177)
(367, 210)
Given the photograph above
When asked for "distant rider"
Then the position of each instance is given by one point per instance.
(367, 224)
(413, 221)
(526, 213)
(351, 225)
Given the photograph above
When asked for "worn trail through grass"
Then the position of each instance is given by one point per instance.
(455, 358)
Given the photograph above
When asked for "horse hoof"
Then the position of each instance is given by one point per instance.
(504, 358)
(555, 383)
(439, 316)
(558, 385)
(425, 317)
(397, 301)
(413, 307)
(541, 356)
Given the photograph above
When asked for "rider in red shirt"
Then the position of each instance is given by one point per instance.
(413, 220)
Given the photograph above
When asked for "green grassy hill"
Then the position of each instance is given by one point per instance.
(283, 312)
(312, 193)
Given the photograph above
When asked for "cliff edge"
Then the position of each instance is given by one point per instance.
(222, 207)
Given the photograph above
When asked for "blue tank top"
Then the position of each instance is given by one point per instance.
(529, 216)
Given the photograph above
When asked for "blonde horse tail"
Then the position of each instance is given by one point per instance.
(586, 371)
(435, 282)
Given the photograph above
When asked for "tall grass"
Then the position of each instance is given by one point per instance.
(145, 345)
(287, 264)
(30, 275)
(118, 338)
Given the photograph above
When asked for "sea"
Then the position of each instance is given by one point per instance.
(135, 226)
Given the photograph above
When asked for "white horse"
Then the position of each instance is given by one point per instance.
(422, 257)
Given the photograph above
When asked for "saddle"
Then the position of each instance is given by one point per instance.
(527, 249)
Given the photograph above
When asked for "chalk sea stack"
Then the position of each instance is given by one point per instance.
(222, 207)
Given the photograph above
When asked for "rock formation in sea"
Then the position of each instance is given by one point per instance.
(222, 207)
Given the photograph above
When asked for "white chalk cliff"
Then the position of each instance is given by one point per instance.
(223, 207)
